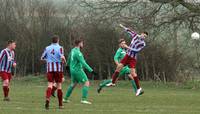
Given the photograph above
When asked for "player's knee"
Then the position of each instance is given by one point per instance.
(87, 83)
(59, 85)
(63, 79)
(50, 84)
(130, 76)
(6, 83)
(119, 67)
(134, 74)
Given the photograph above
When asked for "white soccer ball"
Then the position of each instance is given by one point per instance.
(195, 35)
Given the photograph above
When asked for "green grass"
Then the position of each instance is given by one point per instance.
(27, 97)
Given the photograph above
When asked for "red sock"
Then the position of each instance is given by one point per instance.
(137, 82)
(114, 76)
(60, 97)
(53, 90)
(48, 93)
(5, 91)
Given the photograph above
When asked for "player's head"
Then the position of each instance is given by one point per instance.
(11, 44)
(55, 39)
(144, 34)
(122, 43)
(79, 43)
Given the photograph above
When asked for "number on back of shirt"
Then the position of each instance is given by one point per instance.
(52, 52)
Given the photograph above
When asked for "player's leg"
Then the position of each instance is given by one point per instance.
(6, 89)
(49, 89)
(127, 70)
(103, 84)
(83, 79)
(71, 87)
(69, 92)
(54, 88)
(122, 63)
(132, 83)
(116, 73)
(5, 78)
(136, 79)
(59, 80)
(108, 83)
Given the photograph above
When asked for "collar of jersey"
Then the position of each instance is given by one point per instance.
(54, 44)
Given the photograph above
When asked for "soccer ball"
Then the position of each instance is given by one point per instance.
(195, 35)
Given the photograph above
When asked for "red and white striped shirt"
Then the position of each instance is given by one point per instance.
(52, 54)
(137, 43)
(6, 60)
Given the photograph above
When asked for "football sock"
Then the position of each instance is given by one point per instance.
(48, 93)
(105, 82)
(60, 95)
(137, 82)
(85, 92)
(133, 85)
(5, 91)
(114, 77)
(53, 90)
(69, 91)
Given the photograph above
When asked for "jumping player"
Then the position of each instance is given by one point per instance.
(137, 44)
(7, 62)
(121, 52)
(77, 63)
(54, 57)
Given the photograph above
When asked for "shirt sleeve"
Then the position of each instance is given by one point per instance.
(44, 55)
(61, 51)
(83, 62)
(130, 32)
(13, 57)
(2, 54)
(117, 55)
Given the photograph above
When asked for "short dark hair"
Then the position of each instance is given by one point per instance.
(121, 40)
(55, 38)
(77, 41)
(145, 32)
(10, 42)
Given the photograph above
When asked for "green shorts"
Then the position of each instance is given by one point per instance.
(78, 76)
(124, 71)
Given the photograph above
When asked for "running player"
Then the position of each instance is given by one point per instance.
(77, 63)
(121, 52)
(7, 62)
(137, 44)
(54, 57)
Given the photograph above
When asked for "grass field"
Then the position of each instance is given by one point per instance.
(27, 97)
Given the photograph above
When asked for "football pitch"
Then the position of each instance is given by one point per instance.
(27, 97)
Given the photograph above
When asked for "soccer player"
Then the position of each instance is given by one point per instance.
(7, 62)
(137, 44)
(77, 63)
(121, 52)
(54, 57)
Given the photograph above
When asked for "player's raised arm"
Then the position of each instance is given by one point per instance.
(129, 31)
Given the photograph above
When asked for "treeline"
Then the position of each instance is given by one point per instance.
(170, 54)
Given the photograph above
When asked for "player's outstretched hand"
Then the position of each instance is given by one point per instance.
(94, 73)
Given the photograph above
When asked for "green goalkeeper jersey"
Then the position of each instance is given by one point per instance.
(119, 55)
(76, 61)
